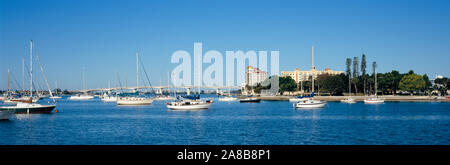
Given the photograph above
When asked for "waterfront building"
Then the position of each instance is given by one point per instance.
(299, 75)
(254, 76)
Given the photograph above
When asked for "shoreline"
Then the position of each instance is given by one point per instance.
(361, 98)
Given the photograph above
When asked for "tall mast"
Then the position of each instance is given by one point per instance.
(137, 71)
(31, 68)
(23, 75)
(374, 65)
(8, 80)
(313, 69)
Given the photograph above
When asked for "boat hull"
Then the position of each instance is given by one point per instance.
(313, 105)
(189, 107)
(373, 101)
(26, 110)
(348, 101)
(228, 99)
(250, 101)
(135, 102)
(81, 97)
(6, 114)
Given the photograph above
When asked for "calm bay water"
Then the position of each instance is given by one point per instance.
(268, 122)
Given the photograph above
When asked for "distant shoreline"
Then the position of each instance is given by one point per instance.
(361, 98)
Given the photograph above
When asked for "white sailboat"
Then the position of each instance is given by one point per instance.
(28, 106)
(228, 97)
(190, 103)
(311, 103)
(83, 96)
(349, 100)
(374, 100)
(135, 100)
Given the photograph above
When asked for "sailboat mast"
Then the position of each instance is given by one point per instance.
(375, 75)
(31, 68)
(137, 71)
(23, 75)
(8, 81)
(312, 69)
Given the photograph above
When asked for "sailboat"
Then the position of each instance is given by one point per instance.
(349, 100)
(83, 96)
(189, 103)
(228, 97)
(311, 103)
(28, 106)
(134, 99)
(166, 97)
(374, 100)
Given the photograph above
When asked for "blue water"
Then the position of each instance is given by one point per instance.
(268, 122)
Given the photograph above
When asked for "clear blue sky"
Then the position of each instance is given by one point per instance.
(103, 35)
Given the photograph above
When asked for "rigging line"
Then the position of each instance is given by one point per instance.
(142, 65)
(15, 80)
(45, 77)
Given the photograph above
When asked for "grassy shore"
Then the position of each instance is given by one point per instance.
(361, 98)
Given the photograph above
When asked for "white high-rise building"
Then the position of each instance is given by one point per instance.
(254, 76)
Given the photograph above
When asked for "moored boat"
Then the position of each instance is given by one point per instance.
(250, 100)
(81, 97)
(134, 101)
(227, 98)
(189, 105)
(374, 100)
(311, 103)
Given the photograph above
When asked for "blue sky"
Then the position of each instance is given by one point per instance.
(103, 35)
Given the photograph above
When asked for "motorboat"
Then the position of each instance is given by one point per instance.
(311, 103)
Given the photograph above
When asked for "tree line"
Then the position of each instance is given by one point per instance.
(363, 83)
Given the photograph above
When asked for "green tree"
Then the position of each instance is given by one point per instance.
(333, 84)
(287, 84)
(412, 82)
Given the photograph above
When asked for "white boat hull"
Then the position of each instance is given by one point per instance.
(189, 107)
(81, 97)
(109, 99)
(228, 99)
(6, 114)
(310, 104)
(349, 101)
(374, 101)
(134, 101)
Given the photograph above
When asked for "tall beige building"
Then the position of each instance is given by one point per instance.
(299, 75)
(254, 76)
